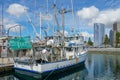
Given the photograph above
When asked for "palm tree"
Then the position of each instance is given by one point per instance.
(107, 40)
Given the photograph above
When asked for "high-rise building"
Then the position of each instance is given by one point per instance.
(116, 28)
(111, 37)
(99, 34)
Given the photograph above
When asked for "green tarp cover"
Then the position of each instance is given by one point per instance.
(20, 43)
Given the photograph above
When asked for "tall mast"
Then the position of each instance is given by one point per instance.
(40, 25)
(62, 12)
(1, 24)
(56, 19)
(41, 22)
(73, 17)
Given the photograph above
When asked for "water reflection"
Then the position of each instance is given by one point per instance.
(78, 73)
(97, 67)
(103, 67)
(8, 77)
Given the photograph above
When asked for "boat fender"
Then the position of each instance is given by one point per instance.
(44, 51)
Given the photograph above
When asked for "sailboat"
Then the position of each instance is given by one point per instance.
(59, 53)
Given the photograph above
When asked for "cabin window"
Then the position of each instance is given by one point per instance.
(69, 49)
(4, 47)
(77, 38)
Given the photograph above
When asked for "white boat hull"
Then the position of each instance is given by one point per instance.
(46, 68)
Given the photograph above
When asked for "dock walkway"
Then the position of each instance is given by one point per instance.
(105, 50)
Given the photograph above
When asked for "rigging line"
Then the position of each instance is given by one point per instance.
(51, 73)
(30, 21)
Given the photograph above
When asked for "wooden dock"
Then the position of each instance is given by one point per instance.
(6, 64)
(5, 68)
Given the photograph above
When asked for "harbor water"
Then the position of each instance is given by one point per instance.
(97, 67)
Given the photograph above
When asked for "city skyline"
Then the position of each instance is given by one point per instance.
(86, 14)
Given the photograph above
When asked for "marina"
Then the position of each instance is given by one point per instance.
(59, 40)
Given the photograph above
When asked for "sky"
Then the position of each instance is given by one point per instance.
(81, 20)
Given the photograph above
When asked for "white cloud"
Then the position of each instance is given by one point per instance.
(88, 13)
(17, 9)
(86, 34)
(9, 23)
(107, 17)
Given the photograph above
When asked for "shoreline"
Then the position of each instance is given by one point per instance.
(104, 50)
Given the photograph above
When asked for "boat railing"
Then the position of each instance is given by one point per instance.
(25, 62)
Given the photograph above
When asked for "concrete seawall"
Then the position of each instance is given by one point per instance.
(104, 50)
